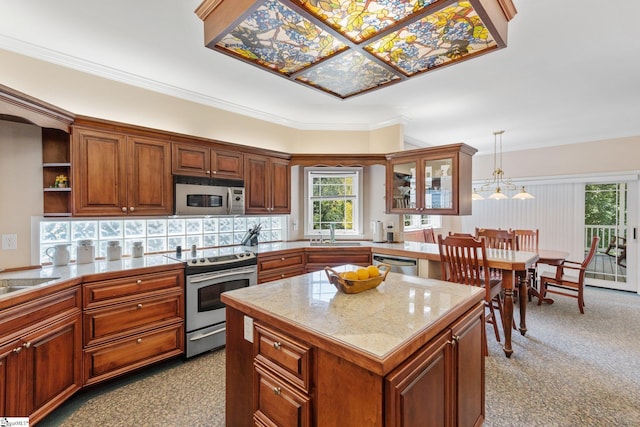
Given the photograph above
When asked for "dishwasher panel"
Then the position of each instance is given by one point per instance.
(398, 264)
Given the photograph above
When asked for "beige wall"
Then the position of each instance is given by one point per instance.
(20, 188)
(89, 95)
(617, 155)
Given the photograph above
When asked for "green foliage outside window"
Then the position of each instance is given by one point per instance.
(333, 199)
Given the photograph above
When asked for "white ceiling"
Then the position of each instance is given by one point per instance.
(570, 72)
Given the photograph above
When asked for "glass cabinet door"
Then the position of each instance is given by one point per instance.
(438, 184)
(404, 185)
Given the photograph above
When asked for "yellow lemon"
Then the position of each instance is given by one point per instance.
(362, 273)
(350, 275)
(373, 271)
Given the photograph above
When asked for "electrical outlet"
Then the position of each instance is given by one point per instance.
(9, 242)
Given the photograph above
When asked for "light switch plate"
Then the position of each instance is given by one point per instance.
(248, 328)
(9, 242)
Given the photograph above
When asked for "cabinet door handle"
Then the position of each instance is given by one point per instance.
(124, 209)
(139, 340)
(277, 345)
(282, 259)
(277, 390)
(138, 282)
(454, 340)
(27, 344)
(139, 306)
(132, 209)
(17, 350)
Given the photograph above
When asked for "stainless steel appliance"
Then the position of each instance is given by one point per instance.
(208, 275)
(398, 264)
(208, 196)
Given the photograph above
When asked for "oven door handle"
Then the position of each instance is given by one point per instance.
(208, 334)
(217, 276)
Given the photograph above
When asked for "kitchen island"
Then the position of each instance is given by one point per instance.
(408, 352)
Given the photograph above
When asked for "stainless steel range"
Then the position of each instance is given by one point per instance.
(208, 274)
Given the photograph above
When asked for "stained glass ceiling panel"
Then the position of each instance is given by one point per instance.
(360, 20)
(437, 39)
(278, 38)
(349, 47)
(348, 74)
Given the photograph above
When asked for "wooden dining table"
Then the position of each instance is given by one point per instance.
(514, 265)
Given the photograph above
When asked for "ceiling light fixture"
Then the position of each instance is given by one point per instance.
(348, 47)
(499, 182)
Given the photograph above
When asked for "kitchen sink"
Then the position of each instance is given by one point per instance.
(335, 243)
(12, 285)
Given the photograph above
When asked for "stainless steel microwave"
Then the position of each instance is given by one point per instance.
(207, 196)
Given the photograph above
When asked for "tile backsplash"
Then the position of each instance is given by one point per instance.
(156, 234)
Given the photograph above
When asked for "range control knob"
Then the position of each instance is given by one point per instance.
(194, 261)
(203, 260)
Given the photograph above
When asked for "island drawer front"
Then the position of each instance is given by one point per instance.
(114, 358)
(271, 262)
(118, 289)
(287, 357)
(277, 403)
(115, 321)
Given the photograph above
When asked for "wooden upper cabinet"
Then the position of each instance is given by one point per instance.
(117, 174)
(149, 178)
(200, 160)
(432, 181)
(267, 182)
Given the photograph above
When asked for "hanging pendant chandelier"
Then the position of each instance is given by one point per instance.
(498, 182)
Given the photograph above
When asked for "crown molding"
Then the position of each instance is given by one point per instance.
(110, 73)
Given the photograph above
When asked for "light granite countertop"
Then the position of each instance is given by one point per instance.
(376, 321)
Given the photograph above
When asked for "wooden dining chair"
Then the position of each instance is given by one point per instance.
(429, 235)
(527, 240)
(497, 238)
(569, 278)
(463, 259)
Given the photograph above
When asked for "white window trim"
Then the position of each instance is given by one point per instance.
(358, 225)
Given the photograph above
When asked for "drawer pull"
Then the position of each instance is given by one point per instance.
(27, 344)
(282, 259)
(277, 345)
(277, 391)
(139, 306)
(138, 282)
(139, 340)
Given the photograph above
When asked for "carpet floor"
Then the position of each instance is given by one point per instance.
(569, 370)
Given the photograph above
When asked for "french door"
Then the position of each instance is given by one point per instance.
(610, 213)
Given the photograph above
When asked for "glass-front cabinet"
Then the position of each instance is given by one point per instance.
(430, 181)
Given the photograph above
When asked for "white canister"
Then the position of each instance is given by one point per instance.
(114, 250)
(85, 252)
(137, 250)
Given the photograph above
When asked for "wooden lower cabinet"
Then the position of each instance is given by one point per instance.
(132, 321)
(40, 363)
(440, 384)
(450, 370)
(115, 358)
(280, 265)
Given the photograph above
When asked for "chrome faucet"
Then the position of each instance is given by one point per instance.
(332, 231)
